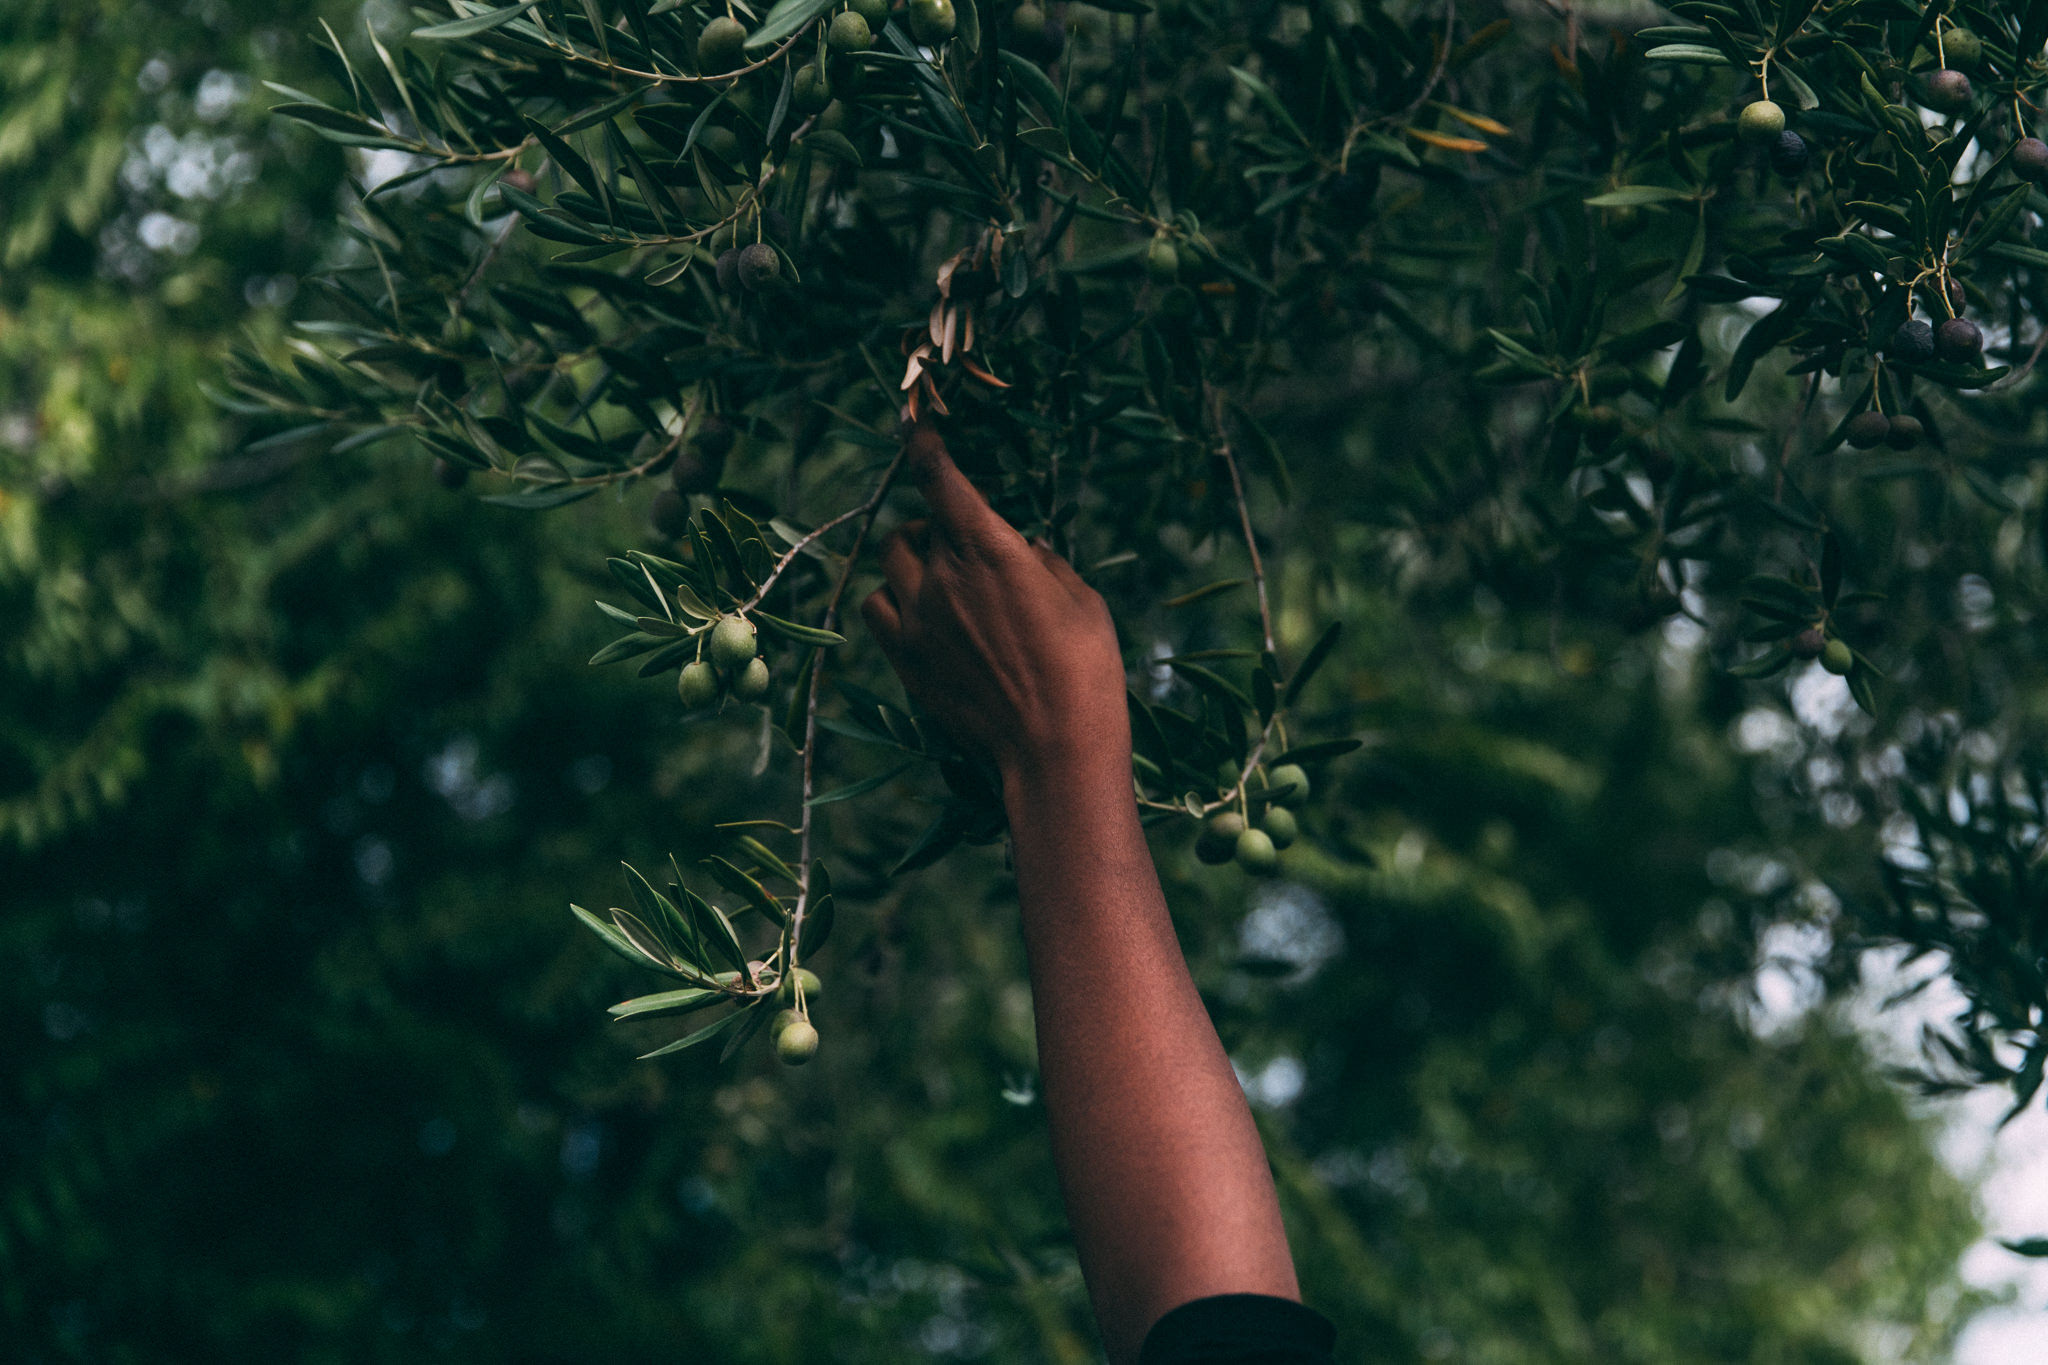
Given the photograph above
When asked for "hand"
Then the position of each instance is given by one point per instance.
(996, 637)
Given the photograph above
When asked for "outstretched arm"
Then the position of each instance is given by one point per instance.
(1165, 1181)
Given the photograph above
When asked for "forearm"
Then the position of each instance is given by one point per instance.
(1165, 1180)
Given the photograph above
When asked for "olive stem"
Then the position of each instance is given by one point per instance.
(1436, 76)
(569, 52)
(769, 581)
(632, 472)
(867, 512)
(1244, 515)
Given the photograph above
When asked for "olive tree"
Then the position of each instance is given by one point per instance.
(1721, 321)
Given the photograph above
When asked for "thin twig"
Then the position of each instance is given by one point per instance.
(768, 582)
(1792, 434)
(512, 221)
(867, 512)
(569, 52)
(1244, 516)
(2019, 376)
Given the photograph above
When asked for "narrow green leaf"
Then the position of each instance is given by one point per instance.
(741, 883)
(860, 788)
(1318, 653)
(705, 1034)
(1631, 195)
(1693, 54)
(1215, 684)
(817, 927)
(638, 934)
(754, 1015)
(666, 1003)
(612, 938)
(716, 931)
(475, 24)
(1322, 752)
(1206, 590)
(569, 159)
(625, 647)
(783, 22)
(765, 856)
(790, 630)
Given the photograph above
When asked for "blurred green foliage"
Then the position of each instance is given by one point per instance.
(298, 768)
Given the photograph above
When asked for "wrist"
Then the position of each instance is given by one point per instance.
(1069, 772)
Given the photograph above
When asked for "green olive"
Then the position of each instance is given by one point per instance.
(811, 92)
(722, 142)
(697, 685)
(1289, 783)
(802, 976)
(751, 684)
(1162, 260)
(1217, 842)
(1256, 854)
(732, 643)
(931, 21)
(1760, 122)
(721, 44)
(1837, 658)
(797, 1043)
(849, 33)
(1280, 826)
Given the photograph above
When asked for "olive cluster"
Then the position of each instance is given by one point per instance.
(796, 1037)
(1229, 836)
(734, 663)
(1955, 340)
(1815, 642)
(1762, 124)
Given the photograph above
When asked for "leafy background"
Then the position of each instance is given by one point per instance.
(299, 767)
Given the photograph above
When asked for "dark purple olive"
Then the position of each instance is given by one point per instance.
(1959, 341)
(1868, 430)
(714, 437)
(2030, 158)
(759, 265)
(1905, 433)
(1914, 342)
(1949, 91)
(1789, 155)
(693, 473)
(670, 514)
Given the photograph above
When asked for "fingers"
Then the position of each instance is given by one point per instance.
(885, 622)
(959, 511)
(902, 565)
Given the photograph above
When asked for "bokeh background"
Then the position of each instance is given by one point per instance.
(299, 768)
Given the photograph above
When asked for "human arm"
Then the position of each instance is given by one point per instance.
(1165, 1181)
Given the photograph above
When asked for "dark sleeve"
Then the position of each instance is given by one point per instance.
(1240, 1329)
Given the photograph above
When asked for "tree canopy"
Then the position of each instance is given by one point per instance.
(1487, 338)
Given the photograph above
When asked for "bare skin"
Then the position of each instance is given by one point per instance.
(1165, 1181)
